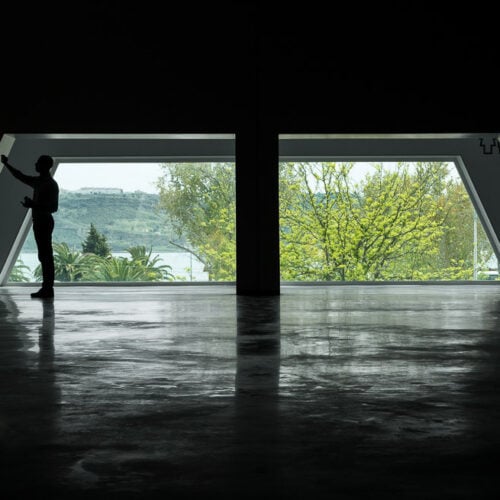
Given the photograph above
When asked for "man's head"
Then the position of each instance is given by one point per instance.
(44, 164)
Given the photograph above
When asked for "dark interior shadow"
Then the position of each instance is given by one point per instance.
(29, 400)
(481, 404)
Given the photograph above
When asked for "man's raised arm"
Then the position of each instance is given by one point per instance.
(27, 179)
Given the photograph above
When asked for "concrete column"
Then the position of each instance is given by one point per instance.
(257, 211)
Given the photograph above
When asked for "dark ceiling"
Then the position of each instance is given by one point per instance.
(222, 66)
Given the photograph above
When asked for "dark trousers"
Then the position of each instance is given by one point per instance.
(42, 229)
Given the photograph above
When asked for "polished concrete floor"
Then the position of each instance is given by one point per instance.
(190, 392)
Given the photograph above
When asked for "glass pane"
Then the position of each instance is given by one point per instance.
(140, 222)
(390, 221)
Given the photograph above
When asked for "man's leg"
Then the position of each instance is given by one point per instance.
(43, 237)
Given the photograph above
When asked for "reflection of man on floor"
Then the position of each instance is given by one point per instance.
(43, 204)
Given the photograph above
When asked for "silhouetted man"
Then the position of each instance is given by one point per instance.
(44, 203)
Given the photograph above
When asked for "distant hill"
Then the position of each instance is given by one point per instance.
(126, 219)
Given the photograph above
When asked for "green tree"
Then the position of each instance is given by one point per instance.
(335, 229)
(70, 265)
(96, 243)
(151, 269)
(116, 269)
(140, 267)
(198, 200)
(458, 239)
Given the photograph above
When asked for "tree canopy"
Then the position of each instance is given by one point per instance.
(399, 223)
(199, 202)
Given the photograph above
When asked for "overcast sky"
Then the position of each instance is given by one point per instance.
(127, 176)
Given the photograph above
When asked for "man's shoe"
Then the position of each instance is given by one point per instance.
(43, 294)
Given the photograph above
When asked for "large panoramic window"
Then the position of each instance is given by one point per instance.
(143, 222)
(381, 221)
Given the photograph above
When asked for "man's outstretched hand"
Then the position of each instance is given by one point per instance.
(28, 202)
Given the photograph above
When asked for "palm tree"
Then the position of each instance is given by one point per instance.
(116, 269)
(18, 273)
(70, 265)
(151, 269)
